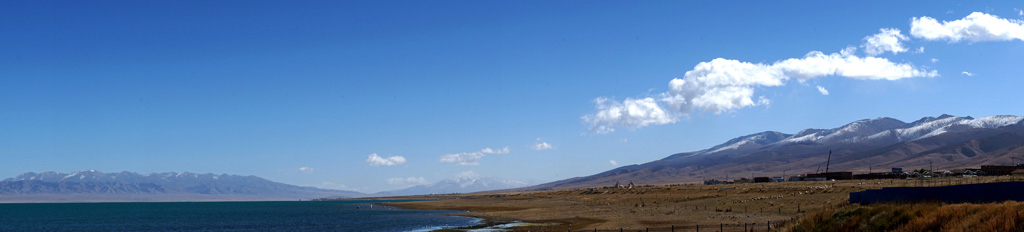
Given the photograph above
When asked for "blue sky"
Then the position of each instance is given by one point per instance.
(305, 92)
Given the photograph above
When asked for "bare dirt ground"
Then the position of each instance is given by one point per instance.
(665, 206)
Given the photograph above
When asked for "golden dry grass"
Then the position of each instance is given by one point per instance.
(1006, 216)
(664, 206)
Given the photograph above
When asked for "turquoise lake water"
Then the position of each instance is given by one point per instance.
(222, 216)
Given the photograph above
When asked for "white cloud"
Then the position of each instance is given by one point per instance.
(934, 60)
(541, 145)
(920, 50)
(625, 140)
(848, 51)
(817, 64)
(722, 85)
(465, 158)
(887, 40)
(1019, 12)
(822, 90)
(613, 163)
(472, 158)
(976, 27)
(488, 150)
(407, 181)
(306, 170)
(376, 160)
(965, 73)
(631, 113)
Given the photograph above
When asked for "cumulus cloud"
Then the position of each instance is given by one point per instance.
(472, 158)
(376, 160)
(722, 85)
(613, 163)
(822, 90)
(407, 181)
(632, 113)
(817, 64)
(934, 60)
(965, 73)
(541, 145)
(976, 27)
(887, 40)
(306, 170)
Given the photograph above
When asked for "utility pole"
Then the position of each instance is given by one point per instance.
(930, 167)
(828, 161)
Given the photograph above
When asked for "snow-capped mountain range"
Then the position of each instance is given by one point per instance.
(461, 184)
(92, 185)
(946, 141)
(881, 129)
(93, 176)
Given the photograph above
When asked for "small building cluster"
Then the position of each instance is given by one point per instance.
(620, 186)
(895, 173)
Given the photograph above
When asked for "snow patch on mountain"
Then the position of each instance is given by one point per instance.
(883, 130)
(461, 184)
(92, 185)
(849, 133)
(748, 142)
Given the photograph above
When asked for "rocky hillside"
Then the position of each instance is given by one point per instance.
(945, 141)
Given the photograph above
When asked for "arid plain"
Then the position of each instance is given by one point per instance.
(682, 206)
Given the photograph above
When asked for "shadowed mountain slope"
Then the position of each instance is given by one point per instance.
(945, 141)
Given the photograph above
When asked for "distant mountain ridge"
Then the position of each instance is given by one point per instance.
(92, 185)
(945, 141)
(461, 184)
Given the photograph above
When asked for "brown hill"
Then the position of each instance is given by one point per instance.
(944, 142)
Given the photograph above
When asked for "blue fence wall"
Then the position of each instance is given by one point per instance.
(968, 193)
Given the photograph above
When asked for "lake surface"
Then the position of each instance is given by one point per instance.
(222, 216)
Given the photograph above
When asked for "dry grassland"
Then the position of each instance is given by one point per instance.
(1006, 216)
(665, 206)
